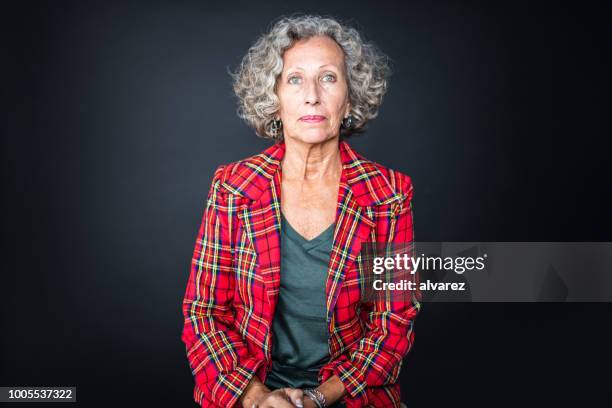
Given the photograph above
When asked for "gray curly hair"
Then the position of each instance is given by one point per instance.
(367, 71)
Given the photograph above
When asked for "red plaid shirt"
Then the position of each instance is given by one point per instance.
(233, 287)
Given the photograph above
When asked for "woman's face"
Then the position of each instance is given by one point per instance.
(313, 90)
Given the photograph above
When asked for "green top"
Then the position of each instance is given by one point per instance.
(299, 329)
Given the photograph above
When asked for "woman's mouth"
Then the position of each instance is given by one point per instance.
(312, 118)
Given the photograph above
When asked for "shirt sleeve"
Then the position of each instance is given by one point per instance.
(376, 359)
(218, 357)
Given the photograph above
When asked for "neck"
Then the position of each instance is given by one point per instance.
(311, 162)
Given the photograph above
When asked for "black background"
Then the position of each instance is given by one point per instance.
(118, 113)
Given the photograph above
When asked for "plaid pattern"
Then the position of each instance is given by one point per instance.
(233, 286)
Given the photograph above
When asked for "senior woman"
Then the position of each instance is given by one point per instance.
(274, 312)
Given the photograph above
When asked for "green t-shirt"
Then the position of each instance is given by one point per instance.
(299, 329)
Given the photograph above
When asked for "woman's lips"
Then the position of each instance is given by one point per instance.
(312, 118)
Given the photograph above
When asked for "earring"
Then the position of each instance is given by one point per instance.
(275, 127)
(347, 122)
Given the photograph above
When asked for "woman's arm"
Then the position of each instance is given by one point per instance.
(376, 359)
(253, 392)
(219, 359)
(332, 389)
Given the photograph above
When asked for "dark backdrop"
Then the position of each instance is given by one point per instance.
(118, 113)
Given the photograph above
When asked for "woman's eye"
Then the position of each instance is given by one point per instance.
(294, 80)
(329, 78)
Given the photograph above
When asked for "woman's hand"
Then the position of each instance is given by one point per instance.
(281, 398)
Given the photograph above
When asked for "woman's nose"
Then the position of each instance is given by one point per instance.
(312, 93)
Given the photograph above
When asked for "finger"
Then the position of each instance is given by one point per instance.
(283, 403)
(296, 396)
(276, 399)
(277, 402)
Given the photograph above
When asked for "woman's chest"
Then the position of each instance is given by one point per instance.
(309, 208)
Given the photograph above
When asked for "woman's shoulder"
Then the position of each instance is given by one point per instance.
(376, 177)
(246, 177)
(399, 181)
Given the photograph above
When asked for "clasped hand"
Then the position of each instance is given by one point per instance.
(281, 398)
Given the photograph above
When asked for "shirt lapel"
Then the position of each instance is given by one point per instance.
(261, 219)
(362, 187)
(353, 226)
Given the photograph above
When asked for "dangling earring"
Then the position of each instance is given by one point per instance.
(275, 127)
(347, 122)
